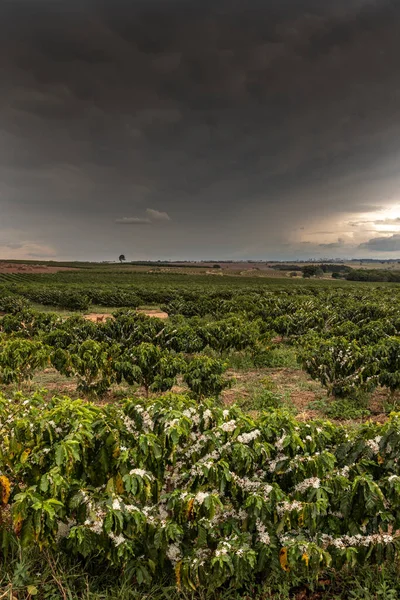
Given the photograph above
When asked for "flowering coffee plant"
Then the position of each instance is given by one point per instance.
(210, 496)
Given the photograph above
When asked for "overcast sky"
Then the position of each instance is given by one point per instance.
(199, 129)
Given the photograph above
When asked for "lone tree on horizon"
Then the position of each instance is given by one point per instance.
(122, 258)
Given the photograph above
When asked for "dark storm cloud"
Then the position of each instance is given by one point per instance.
(236, 120)
(383, 244)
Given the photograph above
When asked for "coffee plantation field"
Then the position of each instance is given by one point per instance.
(246, 445)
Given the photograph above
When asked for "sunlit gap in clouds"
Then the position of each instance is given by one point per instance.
(386, 220)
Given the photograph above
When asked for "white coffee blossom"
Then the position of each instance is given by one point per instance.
(116, 504)
(279, 443)
(207, 414)
(117, 539)
(262, 533)
(129, 424)
(374, 444)
(139, 472)
(313, 482)
(346, 541)
(285, 507)
(174, 553)
(229, 426)
(200, 497)
(245, 438)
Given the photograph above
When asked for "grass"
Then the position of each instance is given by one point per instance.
(283, 356)
(345, 410)
(49, 576)
(263, 399)
(94, 308)
(280, 356)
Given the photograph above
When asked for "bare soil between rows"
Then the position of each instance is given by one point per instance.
(103, 317)
(11, 268)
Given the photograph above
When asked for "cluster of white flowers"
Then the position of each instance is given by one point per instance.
(252, 486)
(279, 443)
(207, 416)
(146, 510)
(130, 508)
(116, 504)
(148, 424)
(223, 548)
(197, 446)
(202, 554)
(229, 426)
(313, 482)
(191, 413)
(85, 498)
(285, 507)
(274, 462)
(225, 414)
(139, 472)
(174, 553)
(200, 497)
(346, 541)
(245, 438)
(222, 517)
(374, 444)
(262, 533)
(345, 471)
(171, 424)
(95, 521)
(52, 424)
(129, 424)
(117, 539)
(147, 421)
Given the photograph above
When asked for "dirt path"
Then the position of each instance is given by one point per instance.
(159, 314)
(103, 317)
(98, 317)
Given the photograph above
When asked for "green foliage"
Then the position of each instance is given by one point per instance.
(91, 362)
(263, 400)
(13, 304)
(388, 354)
(340, 409)
(149, 366)
(344, 367)
(312, 271)
(205, 376)
(67, 299)
(374, 275)
(20, 358)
